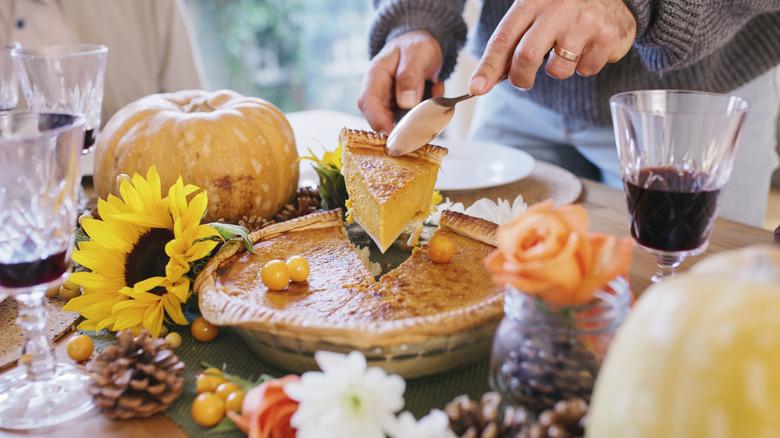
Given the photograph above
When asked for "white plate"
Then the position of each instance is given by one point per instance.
(475, 165)
(319, 130)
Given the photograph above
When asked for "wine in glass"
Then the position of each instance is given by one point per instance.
(39, 186)
(676, 151)
(66, 78)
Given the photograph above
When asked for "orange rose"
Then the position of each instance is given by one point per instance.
(266, 410)
(549, 253)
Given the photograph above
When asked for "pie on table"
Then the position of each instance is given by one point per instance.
(386, 194)
(341, 305)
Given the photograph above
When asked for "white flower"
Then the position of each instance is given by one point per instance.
(346, 399)
(434, 425)
(500, 212)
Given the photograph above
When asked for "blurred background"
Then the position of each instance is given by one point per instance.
(298, 54)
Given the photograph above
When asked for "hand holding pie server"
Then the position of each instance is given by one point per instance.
(584, 36)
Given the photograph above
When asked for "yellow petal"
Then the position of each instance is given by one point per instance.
(108, 236)
(153, 319)
(173, 309)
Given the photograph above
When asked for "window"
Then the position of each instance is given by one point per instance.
(297, 54)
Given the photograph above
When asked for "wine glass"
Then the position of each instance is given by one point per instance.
(676, 150)
(39, 181)
(65, 78)
(9, 86)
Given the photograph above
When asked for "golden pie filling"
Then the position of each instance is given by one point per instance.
(341, 302)
(387, 194)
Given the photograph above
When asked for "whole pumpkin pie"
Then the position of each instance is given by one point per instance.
(341, 305)
(387, 194)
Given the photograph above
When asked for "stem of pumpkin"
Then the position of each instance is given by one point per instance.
(198, 105)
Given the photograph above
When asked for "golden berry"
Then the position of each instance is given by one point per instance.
(203, 330)
(275, 275)
(298, 267)
(80, 347)
(208, 409)
(441, 249)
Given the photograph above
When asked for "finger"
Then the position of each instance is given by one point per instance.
(530, 53)
(437, 89)
(410, 80)
(500, 49)
(376, 100)
(564, 58)
(594, 57)
(607, 44)
(420, 60)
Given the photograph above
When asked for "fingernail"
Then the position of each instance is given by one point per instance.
(408, 99)
(477, 84)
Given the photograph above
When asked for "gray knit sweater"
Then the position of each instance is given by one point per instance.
(708, 45)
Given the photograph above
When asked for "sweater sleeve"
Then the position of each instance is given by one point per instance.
(672, 34)
(442, 18)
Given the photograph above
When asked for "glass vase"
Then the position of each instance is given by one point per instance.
(543, 352)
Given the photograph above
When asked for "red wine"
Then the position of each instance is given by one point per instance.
(669, 210)
(25, 274)
(89, 138)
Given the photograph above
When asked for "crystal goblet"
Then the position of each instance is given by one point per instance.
(676, 151)
(39, 182)
(65, 78)
(9, 81)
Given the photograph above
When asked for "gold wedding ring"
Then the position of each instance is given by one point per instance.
(565, 54)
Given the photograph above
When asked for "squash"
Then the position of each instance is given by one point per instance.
(699, 356)
(241, 150)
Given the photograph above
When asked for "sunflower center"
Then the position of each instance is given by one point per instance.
(148, 258)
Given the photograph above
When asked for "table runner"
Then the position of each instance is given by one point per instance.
(228, 351)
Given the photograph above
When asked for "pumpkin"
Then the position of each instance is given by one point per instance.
(240, 150)
(699, 356)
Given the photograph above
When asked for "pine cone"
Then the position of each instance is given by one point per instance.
(566, 419)
(138, 377)
(486, 419)
(307, 201)
(253, 223)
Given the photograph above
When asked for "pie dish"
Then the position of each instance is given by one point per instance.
(420, 318)
(387, 194)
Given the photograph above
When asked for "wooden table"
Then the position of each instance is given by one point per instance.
(607, 210)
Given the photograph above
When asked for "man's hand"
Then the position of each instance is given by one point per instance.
(396, 78)
(598, 31)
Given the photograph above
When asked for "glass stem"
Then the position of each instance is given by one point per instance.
(667, 267)
(38, 356)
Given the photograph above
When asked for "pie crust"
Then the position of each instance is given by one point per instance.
(341, 303)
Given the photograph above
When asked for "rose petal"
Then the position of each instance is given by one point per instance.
(574, 216)
(611, 257)
(241, 422)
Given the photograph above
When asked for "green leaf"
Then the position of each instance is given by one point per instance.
(333, 188)
(230, 231)
(226, 425)
(245, 384)
(81, 235)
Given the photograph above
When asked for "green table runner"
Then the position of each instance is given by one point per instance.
(229, 349)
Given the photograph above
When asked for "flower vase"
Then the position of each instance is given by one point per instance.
(544, 352)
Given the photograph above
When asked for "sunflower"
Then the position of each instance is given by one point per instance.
(139, 254)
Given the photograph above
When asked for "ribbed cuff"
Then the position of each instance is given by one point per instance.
(441, 19)
(668, 31)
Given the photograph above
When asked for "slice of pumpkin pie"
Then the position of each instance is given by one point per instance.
(387, 194)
